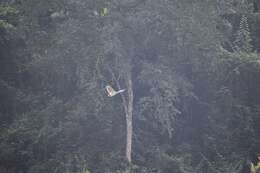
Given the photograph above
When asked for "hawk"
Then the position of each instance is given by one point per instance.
(111, 92)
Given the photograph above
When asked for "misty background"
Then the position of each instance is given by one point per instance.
(191, 70)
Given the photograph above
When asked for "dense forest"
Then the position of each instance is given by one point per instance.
(190, 70)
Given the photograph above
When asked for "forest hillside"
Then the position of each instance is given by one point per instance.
(129, 86)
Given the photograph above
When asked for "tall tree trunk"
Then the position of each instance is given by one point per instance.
(128, 108)
(129, 119)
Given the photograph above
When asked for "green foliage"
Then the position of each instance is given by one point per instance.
(104, 12)
(6, 25)
(6, 15)
(163, 97)
(7, 10)
(196, 106)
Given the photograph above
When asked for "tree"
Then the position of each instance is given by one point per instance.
(243, 39)
(121, 55)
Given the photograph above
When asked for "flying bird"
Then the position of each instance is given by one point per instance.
(111, 92)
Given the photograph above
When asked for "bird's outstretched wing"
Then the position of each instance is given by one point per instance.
(120, 91)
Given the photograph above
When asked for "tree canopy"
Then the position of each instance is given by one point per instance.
(190, 70)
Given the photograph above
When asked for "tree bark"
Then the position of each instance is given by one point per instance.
(129, 119)
(128, 108)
